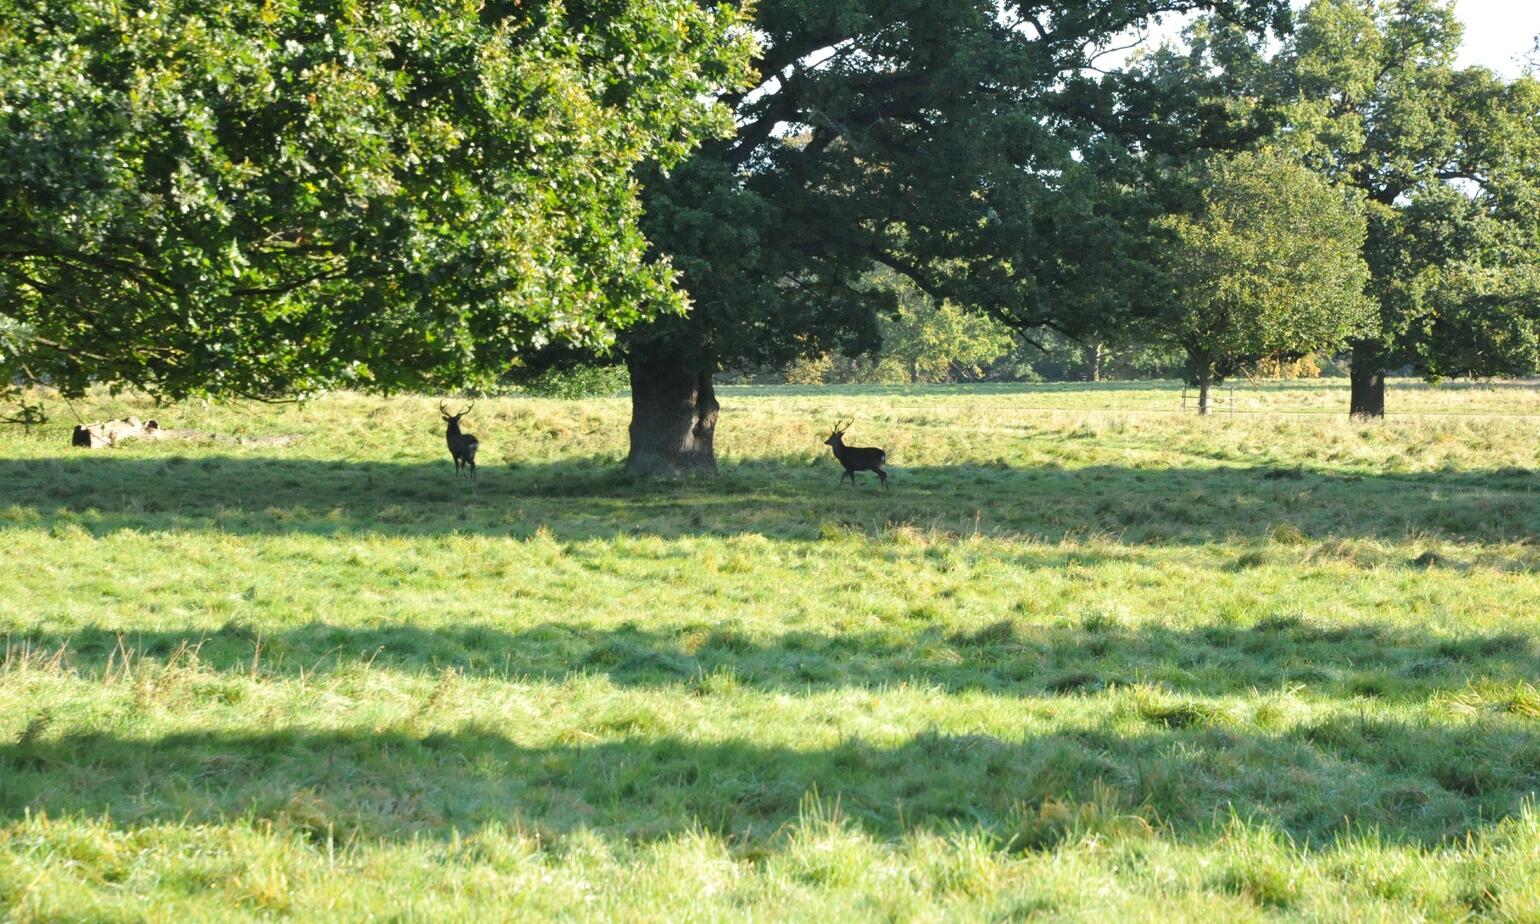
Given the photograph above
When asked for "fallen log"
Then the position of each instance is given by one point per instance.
(282, 439)
(109, 433)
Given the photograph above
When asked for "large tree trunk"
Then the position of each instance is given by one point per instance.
(673, 420)
(1205, 383)
(1096, 363)
(1368, 377)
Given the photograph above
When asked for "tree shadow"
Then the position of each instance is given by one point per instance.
(1414, 783)
(780, 498)
(1342, 661)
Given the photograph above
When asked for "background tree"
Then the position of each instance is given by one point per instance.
(1449, 162)
(1270, 265)
(1151, 126)
(925, 341)
(1056, 358)
(1365, 92)
(263, 198)
(933, 139)
(942, 342)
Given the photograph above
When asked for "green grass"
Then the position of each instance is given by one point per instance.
(1088, 659)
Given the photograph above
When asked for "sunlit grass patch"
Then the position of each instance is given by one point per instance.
(1087, 659)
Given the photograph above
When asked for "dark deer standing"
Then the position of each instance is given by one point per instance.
(856, 458)
(462, 446)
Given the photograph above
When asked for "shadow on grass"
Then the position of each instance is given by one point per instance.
(1416, 783)
(1367, 661)
(788, 499)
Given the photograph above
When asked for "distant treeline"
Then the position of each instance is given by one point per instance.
(931, 342)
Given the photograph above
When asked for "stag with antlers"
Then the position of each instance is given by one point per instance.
(462, 446)
(856, 458)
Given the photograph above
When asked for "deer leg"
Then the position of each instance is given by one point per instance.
(470, 465)
(883, 475)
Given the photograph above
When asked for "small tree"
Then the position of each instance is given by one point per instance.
(936, 341)
(1270, 264)
(924, 341)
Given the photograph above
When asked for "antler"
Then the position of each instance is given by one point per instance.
(445, 411)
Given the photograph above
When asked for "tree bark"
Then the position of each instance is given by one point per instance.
(1096, 363)
(1205, 382)
(1368, 378)
(673, 420)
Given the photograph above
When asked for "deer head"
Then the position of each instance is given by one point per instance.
(837, 438)
(453, 418)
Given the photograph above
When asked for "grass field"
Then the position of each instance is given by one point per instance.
(1088, 659)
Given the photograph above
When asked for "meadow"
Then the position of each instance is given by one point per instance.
(1090, 658)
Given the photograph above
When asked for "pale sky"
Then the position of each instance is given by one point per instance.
(1499, 34)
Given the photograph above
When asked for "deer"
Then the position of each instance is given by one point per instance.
(856, 458)
(462, 446)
